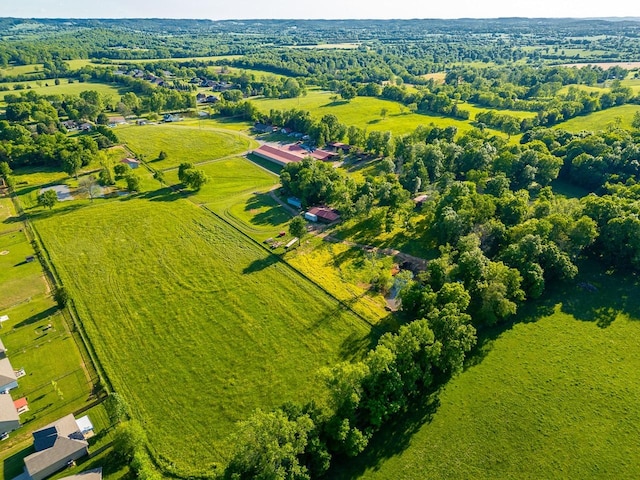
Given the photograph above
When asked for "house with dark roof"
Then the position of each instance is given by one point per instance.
(325, 214)
(56, 445)
(8, 379)
(9, 420)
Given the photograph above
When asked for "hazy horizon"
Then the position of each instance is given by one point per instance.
(326, 10)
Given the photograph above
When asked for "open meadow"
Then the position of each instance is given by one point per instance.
(553, 396)
(603, 120)
(182, 143)
(47, 87)
(363, 112)
(196, 325)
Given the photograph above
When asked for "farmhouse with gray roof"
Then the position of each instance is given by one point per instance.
(8, 378)
(56, 445)
(9, 420)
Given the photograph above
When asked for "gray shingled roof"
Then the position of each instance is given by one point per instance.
(7, 375)
(54, 442)
(8, 411)
(62, 449)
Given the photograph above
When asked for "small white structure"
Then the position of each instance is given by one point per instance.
(84, 424)
(3, 318)
(291, 242)
(310, 216)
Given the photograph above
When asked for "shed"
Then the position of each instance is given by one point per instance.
(291, 242)
(325, 214)
(310, 216)
(22, 405)
(296, 202)
(85, 425)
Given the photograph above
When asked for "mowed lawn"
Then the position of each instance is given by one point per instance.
(611, 117)
(363, 112)
(182, 143)
(554, 397)
(195, 325)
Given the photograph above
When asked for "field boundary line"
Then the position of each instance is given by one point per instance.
(70, 314)
(341, 303)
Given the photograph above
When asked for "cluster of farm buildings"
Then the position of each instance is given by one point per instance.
(57, 445)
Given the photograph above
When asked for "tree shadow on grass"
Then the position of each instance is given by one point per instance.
(59, 209)
(165, 194)
(599, 296)
(392, 439)
(261, 264)
(275, 215)
(37, 317)
(14, 465)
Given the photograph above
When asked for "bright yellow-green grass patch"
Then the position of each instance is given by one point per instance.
(65, 88)
(8, 220)
(257, 73)
(364, 112)
(196, 325)
(345, 272)
(14, 70)
(183, 143)
(19, 279)
(551, 397)
(604, 119)
(217, 123)
(475, 109)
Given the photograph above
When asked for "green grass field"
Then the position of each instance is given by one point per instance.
(196, 325)
(182, 143)
(13, 70)
(65, 88)
(37, 339)
(364, 112)
(554, 396)
(602, 120)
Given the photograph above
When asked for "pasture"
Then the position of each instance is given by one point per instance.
(47, 87)
(603, 120)
(363, 112)
(196, 325)
(553, 396)
(182, 143)
(13, 70)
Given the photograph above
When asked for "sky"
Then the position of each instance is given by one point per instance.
(331, 9)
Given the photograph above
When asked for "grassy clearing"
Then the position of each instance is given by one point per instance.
(550, 397)
(8, 221)
(257, 74)
(182, 143)
(364, 112)
(346, 272)
(14, 70)
(475, 109)
(196, 326)
(19, 279)
(602, 120)
(65, 88)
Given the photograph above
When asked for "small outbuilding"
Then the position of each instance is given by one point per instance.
(310, 216)
(21, 405)
(325, 214)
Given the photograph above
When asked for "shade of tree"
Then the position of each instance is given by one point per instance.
(48, 199)
(298, 228)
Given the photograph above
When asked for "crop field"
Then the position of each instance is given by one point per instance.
(364, 112)
(65, 88)
(602, 120)
(182, 143)
(550, 397)
(196, 325)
